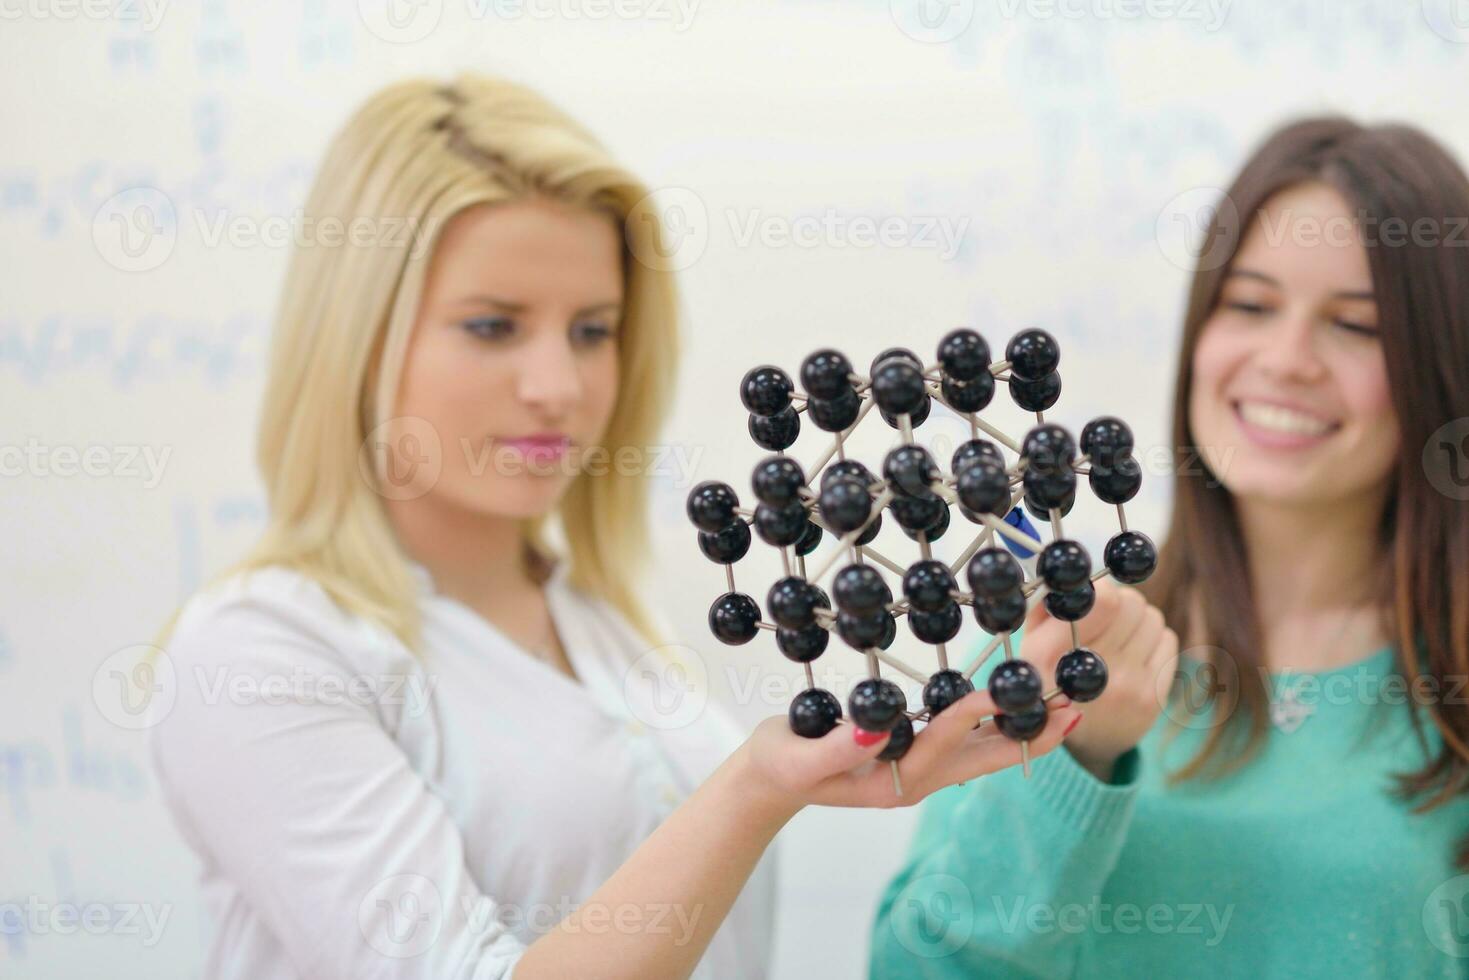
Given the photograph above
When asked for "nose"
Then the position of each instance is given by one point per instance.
(1290, 351)
(547, 379)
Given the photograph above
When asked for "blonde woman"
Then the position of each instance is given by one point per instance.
(450, 779)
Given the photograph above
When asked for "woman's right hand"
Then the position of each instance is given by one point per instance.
(1141, 654)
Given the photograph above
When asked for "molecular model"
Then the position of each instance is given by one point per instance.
(798, 506)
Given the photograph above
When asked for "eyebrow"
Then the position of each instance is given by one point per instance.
(510, 307)
(1272, 281)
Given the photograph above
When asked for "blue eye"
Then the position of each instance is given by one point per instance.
(489, 327)
(591, 333)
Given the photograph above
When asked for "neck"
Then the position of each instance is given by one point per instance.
(1310, 563)
(472, 557)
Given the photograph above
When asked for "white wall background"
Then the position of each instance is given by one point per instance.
(1060, 143)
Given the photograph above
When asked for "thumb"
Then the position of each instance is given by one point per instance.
(842, 749)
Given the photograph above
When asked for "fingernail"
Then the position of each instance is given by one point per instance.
(865, 738)
(1074, 722)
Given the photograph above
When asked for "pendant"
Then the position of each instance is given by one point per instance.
(1288, 712)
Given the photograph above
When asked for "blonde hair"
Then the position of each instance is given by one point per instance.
(414, 155)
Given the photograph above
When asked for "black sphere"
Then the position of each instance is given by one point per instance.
(927, 585)
(917, 513)
(777, 480)
(845, 504)
(776, 433)
(728, 546)
(968, 396)
(964, 354)
(1001, 614)
(862, 631)
(860, 589)
(1023, 725)
(1105, 438)
(834, 414)
(1131, 557)
(900, 353)
(897, 387)
(1050, 488)
(1015, 686)
(848, 467)
(936, 627)
(802, 646)
(781, 526)
(766, 390)
(1041, 512)
(732, 618)
(910, 470)
(1065, 565)
(792, 603)
(943, 689)
(810, 539)
(1038, 395)
(1117, 482)
(994, 572)
(871, 530)
(1081, 675)
(915, 418)
(984, 488)
(814, 712)
(935, 532)
(1032, 354)
(711, 506)
(900, 740)
(826, 374)
(974, 449)
(876, 704)
(1071, 606)
(1049, 448)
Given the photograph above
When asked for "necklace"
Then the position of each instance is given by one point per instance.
(1287, 711)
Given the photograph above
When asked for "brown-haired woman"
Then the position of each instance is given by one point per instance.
(1288, 797)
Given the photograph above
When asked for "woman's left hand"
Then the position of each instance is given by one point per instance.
(837, 770)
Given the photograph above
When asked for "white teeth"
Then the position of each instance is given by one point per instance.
(1278, 419)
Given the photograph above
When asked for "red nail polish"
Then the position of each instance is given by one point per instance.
(1074, 722)
(865, 738)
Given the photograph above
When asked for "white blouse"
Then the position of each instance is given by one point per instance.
(361, 812)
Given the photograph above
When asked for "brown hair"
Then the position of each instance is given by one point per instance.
(1422, 292)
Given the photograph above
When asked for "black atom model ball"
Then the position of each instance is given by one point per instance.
(814, 712)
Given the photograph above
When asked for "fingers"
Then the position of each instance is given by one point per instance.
(992, 751)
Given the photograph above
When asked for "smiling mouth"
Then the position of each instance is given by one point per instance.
(1287, 423)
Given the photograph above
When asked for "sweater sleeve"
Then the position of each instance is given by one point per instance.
(998, 868)
(300, 799)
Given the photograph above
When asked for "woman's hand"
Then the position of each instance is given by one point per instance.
(1141, 654)
(837, 770)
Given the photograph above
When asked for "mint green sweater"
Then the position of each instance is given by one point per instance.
(1300, 865)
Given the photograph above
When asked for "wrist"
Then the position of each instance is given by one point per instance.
(759, 800)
